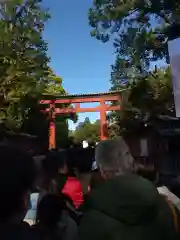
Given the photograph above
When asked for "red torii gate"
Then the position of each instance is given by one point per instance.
(103, 107)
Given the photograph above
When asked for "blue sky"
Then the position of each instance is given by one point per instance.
(82, 61)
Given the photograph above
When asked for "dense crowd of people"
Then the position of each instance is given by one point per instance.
(99, 194)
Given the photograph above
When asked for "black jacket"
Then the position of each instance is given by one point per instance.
(21, 231)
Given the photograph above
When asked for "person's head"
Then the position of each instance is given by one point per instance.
(17, 177)
(84, 160)
(70, 162)
(62, 162)
(50, 209)
(50, 165)
(40, 171)
(113, 158)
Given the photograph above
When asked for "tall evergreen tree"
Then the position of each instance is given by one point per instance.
(23, 56)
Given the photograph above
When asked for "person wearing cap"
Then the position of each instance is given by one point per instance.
(125, 206)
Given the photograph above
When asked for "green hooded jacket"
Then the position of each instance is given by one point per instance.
(127, 208)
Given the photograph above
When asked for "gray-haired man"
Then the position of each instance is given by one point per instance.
(114, 158)
(125, 206)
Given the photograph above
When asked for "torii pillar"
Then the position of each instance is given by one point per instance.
(103, 121)
(52, 134)
(52, 127)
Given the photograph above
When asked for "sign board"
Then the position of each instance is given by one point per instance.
(174, 54)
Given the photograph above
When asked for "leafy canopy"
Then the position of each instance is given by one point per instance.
(140, 31)
(23, 55)
(143, 101)
(144, 27)
(24, 70)
(87, 131)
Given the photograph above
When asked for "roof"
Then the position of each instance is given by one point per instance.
(59, 96)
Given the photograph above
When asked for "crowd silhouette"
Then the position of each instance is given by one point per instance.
(97, 193)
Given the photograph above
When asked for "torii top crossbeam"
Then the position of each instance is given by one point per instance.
(54, 106)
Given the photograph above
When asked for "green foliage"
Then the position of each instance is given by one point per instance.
(140, 31)
(54, 85)
(23, 56)
(87, 131)
(33, 122)
(144, 100)
(37, 123)
(141, 27)
(24, 70)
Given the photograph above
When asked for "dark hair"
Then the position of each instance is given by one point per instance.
(17, 176)
(81, 159)
(62, 158)
(49, 209)
(71, 162)
(50, 164)
(85, 160)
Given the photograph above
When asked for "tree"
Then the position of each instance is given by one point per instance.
(25, 74)
(54, 84)
(143, 101)
(23, 56)
(37, 123)
(140, 31)
(34, 122)
(87, 131)
(142, 26)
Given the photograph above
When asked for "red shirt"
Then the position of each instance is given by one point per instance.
(73, 189)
